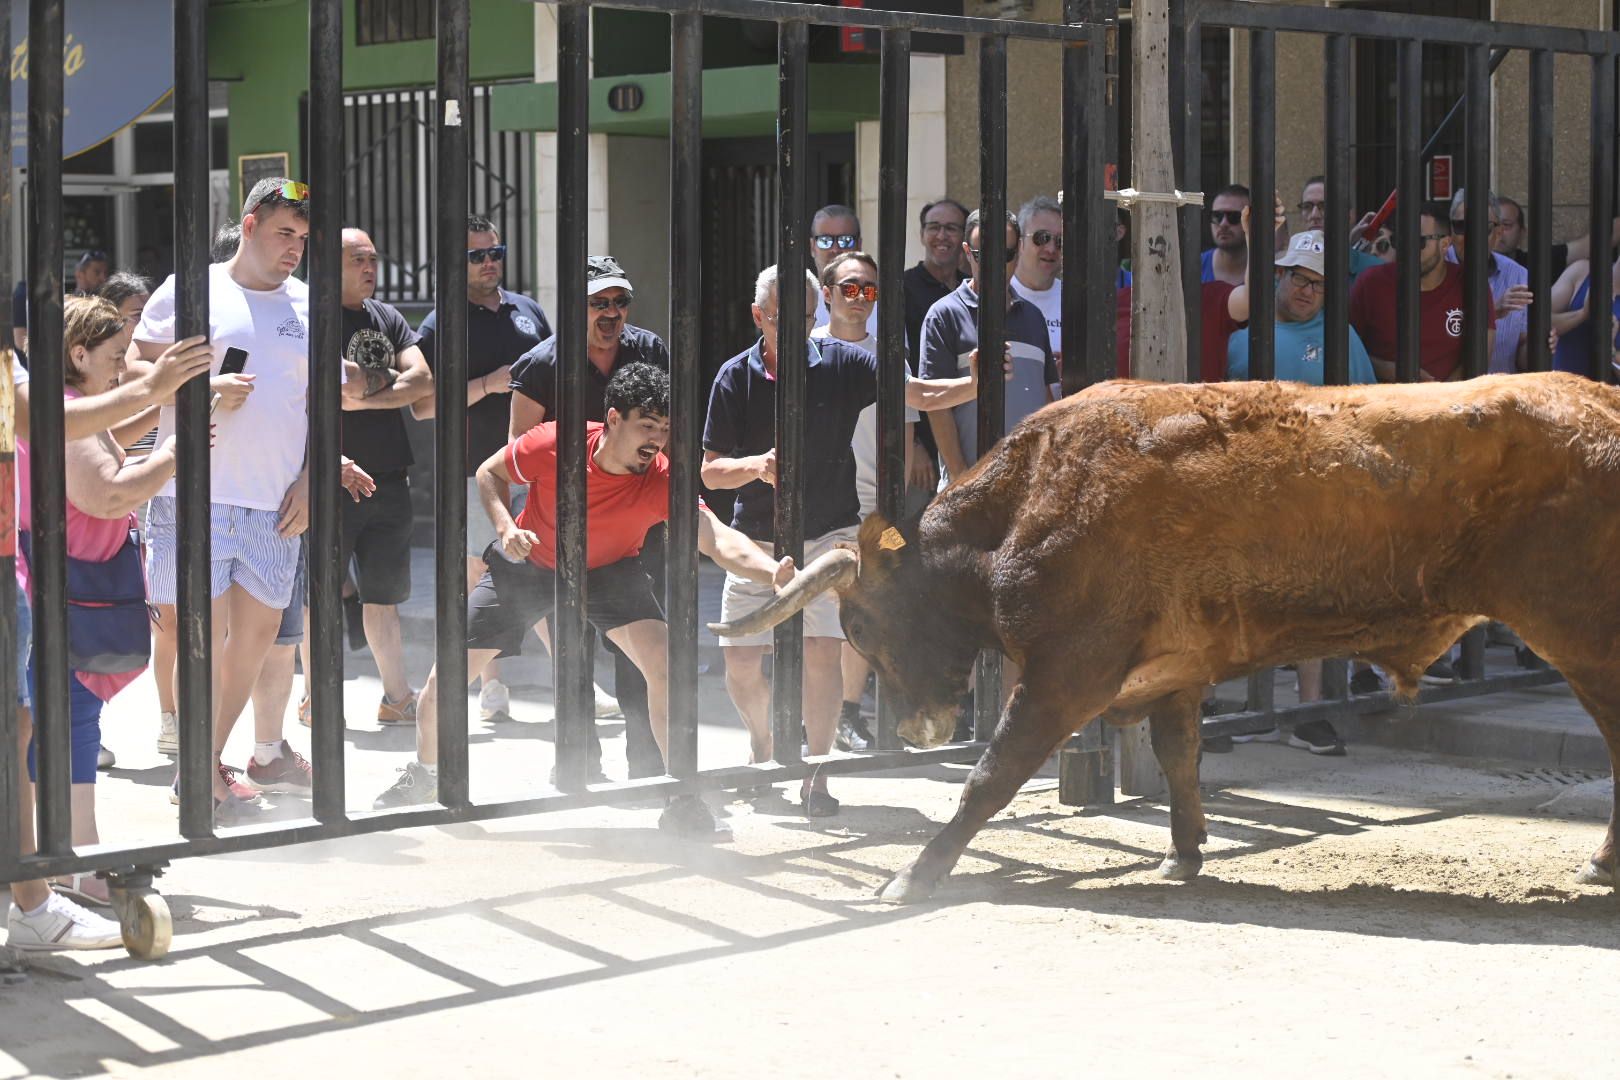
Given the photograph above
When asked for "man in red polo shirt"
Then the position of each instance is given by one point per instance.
(1440, 306)
(626, 493)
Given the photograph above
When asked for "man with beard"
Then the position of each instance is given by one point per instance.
(1228, 260)
(626, 493)
(611, 343)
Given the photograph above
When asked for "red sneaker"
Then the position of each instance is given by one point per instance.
(288, 773)
(228, 774)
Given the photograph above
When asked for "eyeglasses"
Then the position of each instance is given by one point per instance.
(294, 191)
(942, 228)
(1424, 238)
(841, 241)
(606, 303)
(770, 317)
(1044, 237)
(1459, 226)
(1383, 246)
(1306, 284)
(1229, 217)
(854, 289)
(496, 252)
(1012, 253)
(1311, 207)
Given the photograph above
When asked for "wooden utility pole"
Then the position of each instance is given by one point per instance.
(1158, 314)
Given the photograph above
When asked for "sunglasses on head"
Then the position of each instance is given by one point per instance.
(1012, 253)
(1383, 246)
(294, 191)
(841, 241)
(1044, 237)
(604, 303)
(1230, 217)
(496, 252)
(854, 289)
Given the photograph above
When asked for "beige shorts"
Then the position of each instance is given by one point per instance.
(742, 596)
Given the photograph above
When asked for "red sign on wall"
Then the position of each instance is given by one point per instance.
(1440, 176)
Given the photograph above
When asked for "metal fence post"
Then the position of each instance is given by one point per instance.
(1602, 219)
(1538, 207)
(1408, 206)
(450, 386)
(325, 170)
(9, 785)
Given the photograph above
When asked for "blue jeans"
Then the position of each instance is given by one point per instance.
(25, 636)
(84, 719)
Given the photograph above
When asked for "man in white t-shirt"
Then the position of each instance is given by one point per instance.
(260, 484)
(1040, 258)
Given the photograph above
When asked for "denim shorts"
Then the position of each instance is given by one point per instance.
(246, 550)
(25, 637)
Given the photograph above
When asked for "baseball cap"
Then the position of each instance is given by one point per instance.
(1305, 249)
(604, 272)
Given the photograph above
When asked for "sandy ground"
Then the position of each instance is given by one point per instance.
(1384, 914)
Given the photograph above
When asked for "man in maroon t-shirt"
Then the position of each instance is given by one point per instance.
(626, 493)
(1440, 306)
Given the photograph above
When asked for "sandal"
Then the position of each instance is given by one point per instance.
(303, 713)
(85, 888)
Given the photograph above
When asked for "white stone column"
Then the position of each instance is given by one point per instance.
(545, 173)
(925, 178)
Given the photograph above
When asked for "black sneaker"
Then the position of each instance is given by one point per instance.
(1271, 734)
(1526, 657)
(1440, 673)
(1318, 737)
(1366, 682)
(689, 817)
(864, 730)
(848, 738)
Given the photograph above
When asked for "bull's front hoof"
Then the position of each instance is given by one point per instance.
(1181, 867)
(1593, 874)
(906, 887)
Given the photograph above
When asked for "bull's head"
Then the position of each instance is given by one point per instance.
(897, 614)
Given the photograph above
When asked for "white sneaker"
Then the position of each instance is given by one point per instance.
(606, 704)
(168, 734)
(61, 926)
(105, 758)
(494, 700)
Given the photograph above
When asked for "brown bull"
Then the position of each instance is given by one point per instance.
(1137, 542)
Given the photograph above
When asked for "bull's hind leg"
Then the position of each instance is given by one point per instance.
(1174, 724)
(1037, 719)
(1599, 692)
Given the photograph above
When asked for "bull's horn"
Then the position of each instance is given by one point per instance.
(835, 569)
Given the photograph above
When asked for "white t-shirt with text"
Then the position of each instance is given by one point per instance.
(1050, 303)
(259, 448)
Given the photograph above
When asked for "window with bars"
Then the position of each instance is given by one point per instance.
(385, 22)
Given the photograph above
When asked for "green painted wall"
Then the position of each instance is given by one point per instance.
(262, 50)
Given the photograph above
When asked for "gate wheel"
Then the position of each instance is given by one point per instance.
(144, 917)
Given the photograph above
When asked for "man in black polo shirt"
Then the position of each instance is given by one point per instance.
(610, 344)
(939, 271)
(501, 326)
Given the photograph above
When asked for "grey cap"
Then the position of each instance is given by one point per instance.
(604, 272)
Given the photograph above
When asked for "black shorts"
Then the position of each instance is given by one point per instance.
(377, 534)
(511, 597)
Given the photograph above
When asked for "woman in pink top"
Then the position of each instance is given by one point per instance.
(103, 493)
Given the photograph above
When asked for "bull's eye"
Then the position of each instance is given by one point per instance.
(855, 631)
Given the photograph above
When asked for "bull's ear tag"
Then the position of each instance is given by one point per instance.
(891, 540)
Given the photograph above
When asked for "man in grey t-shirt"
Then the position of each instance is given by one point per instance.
(950, 336)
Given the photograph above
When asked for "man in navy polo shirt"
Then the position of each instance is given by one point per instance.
(610, 344)
(501, 327)
(950, 337)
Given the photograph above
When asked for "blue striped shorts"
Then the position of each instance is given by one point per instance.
(246, 551)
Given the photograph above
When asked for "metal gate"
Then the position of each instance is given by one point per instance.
(142, 912)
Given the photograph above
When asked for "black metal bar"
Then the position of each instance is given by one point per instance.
(1397, 26)
(1476, 198)
(1602, 228)
(1098, 247)
(325, 170)
(1409, 195)
(450, 385)
(685, 384)
(792, 181)
(1537, 209)
(845, 16)
(193, 477)
(894, 135)
(1262, 183)
(48, 564)
(992, 284)
(570, 651)
(1187, 102)
(1336, 150)
(9, 781)
(736, 776)
(1078, 60)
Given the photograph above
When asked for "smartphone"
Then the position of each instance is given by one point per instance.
(235, 360)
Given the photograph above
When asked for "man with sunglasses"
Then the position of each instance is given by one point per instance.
(501, 327)
(1509, 283)
(950, 337)
(1228, 260)
(1040, 260)
(611, 343)
(835, 231)
(1313, 215)
(1440, 306)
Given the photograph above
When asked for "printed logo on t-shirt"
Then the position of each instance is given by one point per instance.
(1312, 354)
(526, 324)
(291, 327)
(371, 349)
(1454, 322)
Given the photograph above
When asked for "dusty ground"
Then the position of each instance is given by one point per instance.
(1385, 914)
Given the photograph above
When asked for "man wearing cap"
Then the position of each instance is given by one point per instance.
(610, 344)
(1300, 351)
